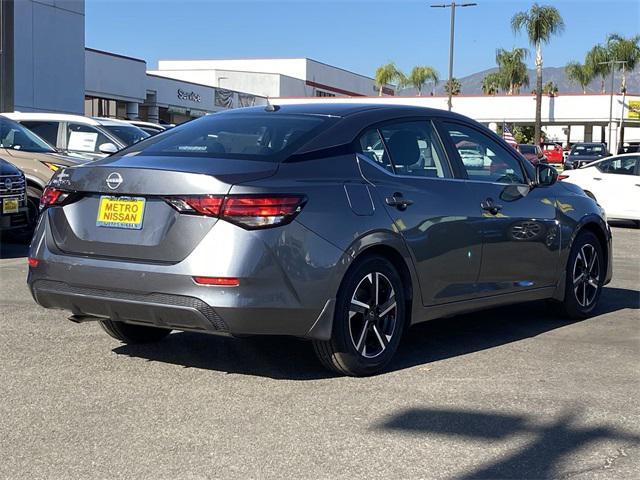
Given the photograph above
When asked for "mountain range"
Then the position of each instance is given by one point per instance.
(472, 84)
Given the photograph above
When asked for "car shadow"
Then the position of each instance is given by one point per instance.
(293, 359)
(550, 441)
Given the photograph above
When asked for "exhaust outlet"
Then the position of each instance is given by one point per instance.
(83, 318)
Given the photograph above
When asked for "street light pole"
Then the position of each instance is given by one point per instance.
(452, 6)
(611, 64)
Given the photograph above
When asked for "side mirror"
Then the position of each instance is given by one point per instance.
(108, 148)
(546, 175)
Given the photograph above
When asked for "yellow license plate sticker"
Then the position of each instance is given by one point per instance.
(10, 205)
(121, 212)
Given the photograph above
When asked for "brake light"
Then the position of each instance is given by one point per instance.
(33, 262)
(52, 196)
(247, 211)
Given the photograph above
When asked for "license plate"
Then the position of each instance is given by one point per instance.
(121, 212)
(10, 205)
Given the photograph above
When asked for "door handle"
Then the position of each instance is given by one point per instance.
(396, 200)
(597, 178)
(490, 206)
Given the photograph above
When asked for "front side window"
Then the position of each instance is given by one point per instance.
(619, 166)
(483, 158)
(408, 149)
(16, 137)
(85, 138)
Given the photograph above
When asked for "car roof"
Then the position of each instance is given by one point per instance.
(141, 123)
(111, 121)
(59, 117)
(336, 109)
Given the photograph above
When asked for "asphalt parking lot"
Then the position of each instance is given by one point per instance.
(507, 393)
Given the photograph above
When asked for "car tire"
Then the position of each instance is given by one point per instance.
(129, 333)
(584, 279)
(366, 330)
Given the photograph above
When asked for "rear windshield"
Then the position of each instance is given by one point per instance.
(266, 137)
(527, 149)
(129, 134)
(587, 150)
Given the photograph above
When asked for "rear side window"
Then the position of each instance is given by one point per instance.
(128, 134)
(266, 137)
(483, 158)
(48, 131)
(619, 166)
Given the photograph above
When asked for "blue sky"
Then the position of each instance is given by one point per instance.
(357, 35)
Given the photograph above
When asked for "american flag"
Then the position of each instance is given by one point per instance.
(508, 136)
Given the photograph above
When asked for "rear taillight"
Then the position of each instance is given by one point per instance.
(247, 211)
(562, 177)
(52, 196)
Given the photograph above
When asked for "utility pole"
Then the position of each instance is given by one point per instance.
(452, 6)
(611, 64)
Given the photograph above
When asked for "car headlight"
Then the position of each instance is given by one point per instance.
(52, 166)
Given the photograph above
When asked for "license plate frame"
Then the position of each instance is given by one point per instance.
(10, 205)
(118, 215)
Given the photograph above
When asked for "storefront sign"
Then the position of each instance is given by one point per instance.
(192, 96)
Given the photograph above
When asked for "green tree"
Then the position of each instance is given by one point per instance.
(595, 60)
(386, 74)
(491, 83)
(420, 75)
(540, 23)
(550, 88)
(512, 69)
(579, 73)
(455, 86)
(627, 50)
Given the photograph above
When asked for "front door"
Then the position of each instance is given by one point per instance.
(616, 185)
(434, 213)
(520, 233)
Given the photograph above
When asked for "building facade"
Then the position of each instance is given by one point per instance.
(281, 77)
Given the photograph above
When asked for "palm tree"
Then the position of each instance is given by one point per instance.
(540, 22)
(627, 50)
(595, 60)
(513, 71)
(491, 83)
(421, 75)
(386, 74)
(455, 86)
(550, 88)
(579, 73)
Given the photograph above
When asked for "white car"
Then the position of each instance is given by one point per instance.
(614, 182)
(80, 136)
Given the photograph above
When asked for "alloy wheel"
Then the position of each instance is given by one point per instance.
(586, 275)
(372, 315)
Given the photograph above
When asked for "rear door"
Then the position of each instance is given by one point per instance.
(433, 211)
(520, 236)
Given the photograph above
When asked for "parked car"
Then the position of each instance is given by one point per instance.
(533, 153)
(613, 182)
(629, 147)
(150, 128)
(79, 136)
(583, 153)
(553, 152)
(34, 157)
(14, 215)
(339, 223)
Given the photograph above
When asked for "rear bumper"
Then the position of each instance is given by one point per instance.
(283, 290)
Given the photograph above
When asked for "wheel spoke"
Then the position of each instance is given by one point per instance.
(388, 306)
(360, 346)
(593, 282)
(578, 279)
(381, 338)
(377, 296)
(359, 307)
(592, 262)
(584, 294)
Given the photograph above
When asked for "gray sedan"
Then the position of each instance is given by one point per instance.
(342, 224)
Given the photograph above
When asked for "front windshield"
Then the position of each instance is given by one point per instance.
(129, 134)
(587, 150)
(16, 137)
